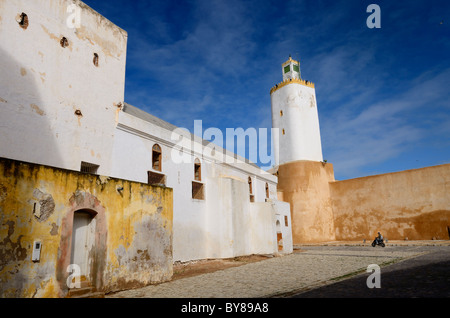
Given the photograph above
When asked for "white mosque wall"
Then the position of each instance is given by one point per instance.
(221, 225)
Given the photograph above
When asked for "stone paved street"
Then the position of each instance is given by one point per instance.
(313, 267)
(424, 276)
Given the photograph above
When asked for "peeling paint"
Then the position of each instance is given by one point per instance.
(38, 111)
(54, 230)
(51, 35)
(412, 203)
(133, 232)
(46, 206)
(10, 250)
(42, 77)
(3, 192)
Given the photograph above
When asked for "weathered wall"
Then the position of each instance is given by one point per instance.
(56, 107)
(413, 204)
(236, 227)
(219, 225)
(283, 226)
(305, 185)
(133, 240)
(295, 114)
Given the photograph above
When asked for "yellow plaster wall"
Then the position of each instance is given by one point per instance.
(35, 203)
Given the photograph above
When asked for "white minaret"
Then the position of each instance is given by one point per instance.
(294, 113)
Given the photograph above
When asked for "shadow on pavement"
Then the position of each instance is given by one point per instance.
(426, 276)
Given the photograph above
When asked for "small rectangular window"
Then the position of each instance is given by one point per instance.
(296, 68)
(156, 158)
(286, 222)
(90, 168)
(156, 179)
(198, 192)
(287, 69)
(197, 172)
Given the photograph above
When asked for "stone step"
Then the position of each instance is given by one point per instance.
(91, 295)
(75, 292)
(85, 284)
(86, 290)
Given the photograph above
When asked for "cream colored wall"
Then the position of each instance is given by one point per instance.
(43, 85)
(225, 224)
(413, 204)
(305, 185)
(300, 121)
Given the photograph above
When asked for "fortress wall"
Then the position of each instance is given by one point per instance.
(305, 185)
(413, 204)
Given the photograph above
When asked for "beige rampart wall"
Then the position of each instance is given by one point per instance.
(413, 204)
(305, 185)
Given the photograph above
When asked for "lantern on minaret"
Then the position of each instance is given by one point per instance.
(291, 69)
(295, 115)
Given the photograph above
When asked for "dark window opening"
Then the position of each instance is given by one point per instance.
(286, 223)
(156, 158)
(280, 241)
(197, 170)
(90, 168)
(267, 190)
(250, 189)
(64, 42)
(96, 59)
(198, 192)
(156, 179)
(23, 21)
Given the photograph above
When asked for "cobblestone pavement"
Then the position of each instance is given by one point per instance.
(289, 276)
(424, 276)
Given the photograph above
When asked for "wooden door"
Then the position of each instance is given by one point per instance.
(80, 241)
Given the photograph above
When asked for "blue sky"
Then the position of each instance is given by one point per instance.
(383, 94)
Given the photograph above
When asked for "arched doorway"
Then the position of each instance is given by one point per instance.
(83, 240)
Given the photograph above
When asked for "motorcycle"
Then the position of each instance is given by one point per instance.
(378, 242)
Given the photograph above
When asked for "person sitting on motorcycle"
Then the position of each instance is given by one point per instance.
(379, 238)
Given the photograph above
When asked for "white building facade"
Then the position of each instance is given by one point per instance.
(223, 206)
(62, 105)
(61, 87)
